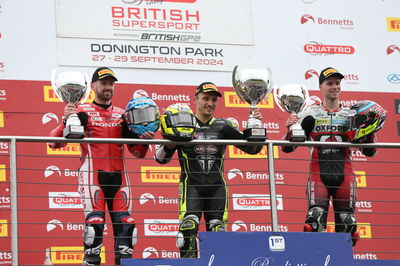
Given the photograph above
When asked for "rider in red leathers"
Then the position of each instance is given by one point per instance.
(102, 177)
(331, 171)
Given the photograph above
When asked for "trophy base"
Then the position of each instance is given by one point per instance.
(255, 134)
(74, 132)
(297, 135)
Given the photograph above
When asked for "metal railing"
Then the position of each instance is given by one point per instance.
(13, 140)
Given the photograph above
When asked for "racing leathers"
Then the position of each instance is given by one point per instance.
(331, 171)
(103, 181)
(202, 187)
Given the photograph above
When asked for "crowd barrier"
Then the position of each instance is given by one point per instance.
(257, 203)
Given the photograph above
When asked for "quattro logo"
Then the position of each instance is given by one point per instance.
(70, 149)
(50, 95)
(158, 174)
(236, 153)
(249, 202)
(393, 24)
(232, 100)
(3, 173)
(3, 228)
(71, 255)
(316, 49)
(161, 227)
(361, 178)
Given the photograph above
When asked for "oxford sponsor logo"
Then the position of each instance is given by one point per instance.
(249, 202)
(70, 149)
(3, 228)
(152, 253)
(237, 153)
(363, 228)
(161, 227)
(232, 100)
(48, 117)
(148, 197)
(393, 24)
(51, 97)
(65, 200)
(158, 174)
(361, 178)
(71, 255)
(3, 173)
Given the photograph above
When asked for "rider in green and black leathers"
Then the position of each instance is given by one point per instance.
(202, 185)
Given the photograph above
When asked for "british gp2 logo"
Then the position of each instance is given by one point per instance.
(392, 48)
(394, 78)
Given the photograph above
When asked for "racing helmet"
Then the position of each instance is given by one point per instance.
(142, 115)
(178, 123)
(368, 118)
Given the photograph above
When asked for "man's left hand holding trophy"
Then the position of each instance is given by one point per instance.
(71, 88)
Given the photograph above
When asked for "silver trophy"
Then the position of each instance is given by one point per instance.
(252, 86)
(71, 87)
(292, 98)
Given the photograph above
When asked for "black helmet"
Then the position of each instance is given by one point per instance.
(368, 118)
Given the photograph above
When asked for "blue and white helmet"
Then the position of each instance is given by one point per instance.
(142, 115)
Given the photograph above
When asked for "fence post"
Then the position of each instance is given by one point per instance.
(14, 201)
(272, 190)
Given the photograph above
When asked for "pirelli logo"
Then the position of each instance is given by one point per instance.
(236, 153)
(51, 97)
(71, 255)
(159, 174)
(70, 149)
(3, 173)
(3, 228)
(393, 24)
(1, 119)
(232, 100)
(363, 228)
(361, 178)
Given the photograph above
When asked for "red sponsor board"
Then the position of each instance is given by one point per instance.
(48, 180)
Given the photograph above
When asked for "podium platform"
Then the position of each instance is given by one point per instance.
(269, 249)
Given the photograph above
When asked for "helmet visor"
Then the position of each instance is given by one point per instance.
(142, 116)
(182, 119)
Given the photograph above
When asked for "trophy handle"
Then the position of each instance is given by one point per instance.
(306, 97)
(87, 93)
(277, 101)
(54, 85)
(234, 81)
